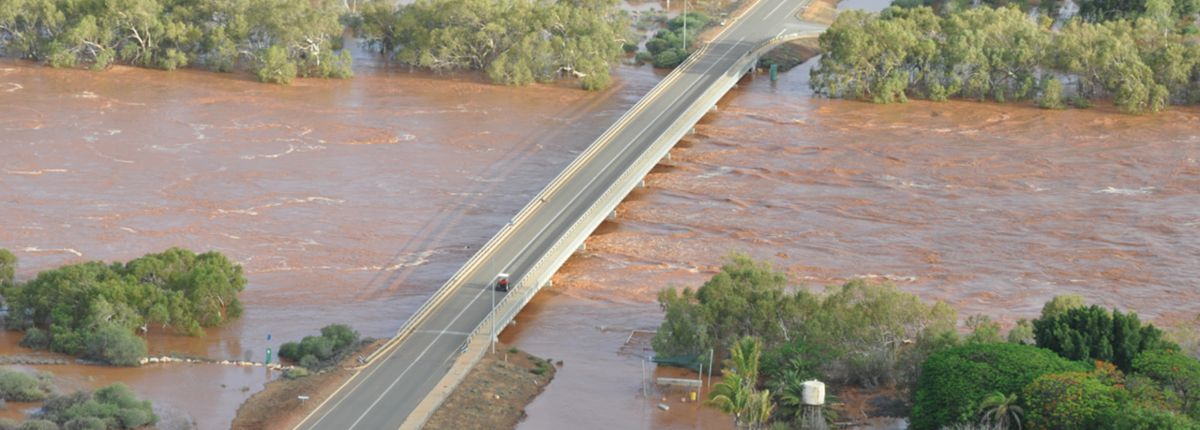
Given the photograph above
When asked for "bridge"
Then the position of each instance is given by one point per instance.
(408, 378)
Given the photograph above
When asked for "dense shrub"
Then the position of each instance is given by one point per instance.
(19, 387)
(85, 423)
(1094, 333)
(317, 352)
(1143, 418)
(114, 405)
(1177, 373)
(1069, 401)
(115, 345)
(79, 309)
(954, 381)
(668, 48)
(38, 425)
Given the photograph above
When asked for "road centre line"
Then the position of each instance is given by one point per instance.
(414, 362)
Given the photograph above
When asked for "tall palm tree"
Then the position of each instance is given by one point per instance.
(1001, 410)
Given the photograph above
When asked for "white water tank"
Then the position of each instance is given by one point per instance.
(812, 393)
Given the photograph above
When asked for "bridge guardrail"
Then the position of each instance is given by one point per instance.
(530, 281)
(452, 284)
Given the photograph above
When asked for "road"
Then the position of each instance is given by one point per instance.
(382, 395)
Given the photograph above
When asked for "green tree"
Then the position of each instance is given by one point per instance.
(8, 267)
(1051, 94)
(1094, 333)
(983, 330)
(115, 345)
(1070, 401)
(1061, 304)
(745, 298)
(515, 42)
(80, 308)
(276, 67)
(1176, 372)
(683, 330)
(1022, 333)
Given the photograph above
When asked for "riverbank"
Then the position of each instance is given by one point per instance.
(494, 395)
(283, 403)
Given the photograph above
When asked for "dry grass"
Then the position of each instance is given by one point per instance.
(495, 393)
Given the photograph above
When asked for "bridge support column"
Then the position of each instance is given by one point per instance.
(713, 109)
(668, 156)
(613, 216)
(641, 184)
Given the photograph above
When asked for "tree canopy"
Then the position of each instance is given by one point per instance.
(1093, 332)
(91, 309)
(515, 42)
(168, 34)
(1004, 55)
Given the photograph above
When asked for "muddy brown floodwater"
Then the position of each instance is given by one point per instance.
(351, 201)
(993, 208)
(346, 201)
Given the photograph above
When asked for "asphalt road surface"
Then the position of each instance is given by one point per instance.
(384, 394)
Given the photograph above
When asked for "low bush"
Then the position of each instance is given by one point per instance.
(295, 373)
(115, 405)
(38, 425)
(318, 352)
(19, 387)
(1142, 418)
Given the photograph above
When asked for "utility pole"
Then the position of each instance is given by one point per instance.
(710, 366)
(493, 317)
(685, 18)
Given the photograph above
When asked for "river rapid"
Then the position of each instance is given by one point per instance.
(352, 201)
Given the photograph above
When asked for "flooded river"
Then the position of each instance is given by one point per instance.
(346, 201)
(351, 201)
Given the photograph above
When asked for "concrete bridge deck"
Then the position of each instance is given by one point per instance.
(407, 379)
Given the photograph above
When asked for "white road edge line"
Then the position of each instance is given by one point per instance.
(414, 362)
